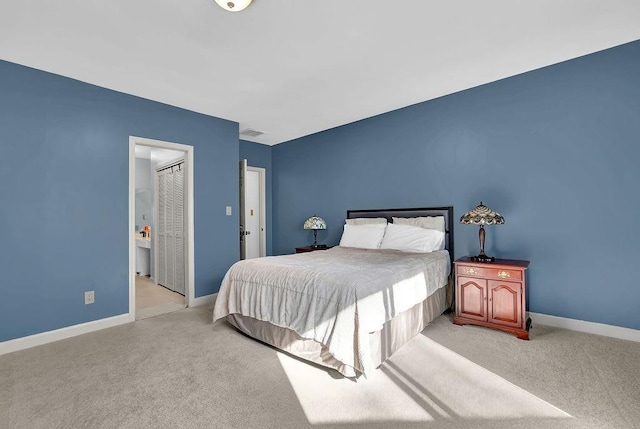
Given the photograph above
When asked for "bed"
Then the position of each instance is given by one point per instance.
(344, 308)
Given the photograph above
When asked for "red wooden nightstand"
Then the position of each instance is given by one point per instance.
(492, 295)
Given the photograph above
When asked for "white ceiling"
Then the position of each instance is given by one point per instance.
(290, 68)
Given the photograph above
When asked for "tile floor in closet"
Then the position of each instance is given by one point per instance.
(152, 299)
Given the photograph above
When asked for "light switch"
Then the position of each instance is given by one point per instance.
(228, 210)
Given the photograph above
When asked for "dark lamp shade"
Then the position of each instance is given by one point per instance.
(482, 215)
(315, 222)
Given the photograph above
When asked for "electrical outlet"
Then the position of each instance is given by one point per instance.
(89, 297)
(228, 211)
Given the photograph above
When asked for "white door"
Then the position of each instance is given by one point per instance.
(179, 229)
(243, 241)
(252, 212)
(171, 229)
(161, 240)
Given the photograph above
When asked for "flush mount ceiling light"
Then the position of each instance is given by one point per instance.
(233, 6)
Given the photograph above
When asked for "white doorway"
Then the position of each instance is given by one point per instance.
(253, 243)
(170, 150)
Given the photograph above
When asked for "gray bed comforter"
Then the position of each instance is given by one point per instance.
(335, 297)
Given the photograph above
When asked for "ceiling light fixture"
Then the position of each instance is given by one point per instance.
(233, 6)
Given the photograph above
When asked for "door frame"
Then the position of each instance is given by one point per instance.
(189, 248)
(262, 189)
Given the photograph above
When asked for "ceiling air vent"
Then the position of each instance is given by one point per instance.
(251, 133)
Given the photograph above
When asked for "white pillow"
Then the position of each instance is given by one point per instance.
(363, 236)
(408, 238)
(428, 222)
(366, 221)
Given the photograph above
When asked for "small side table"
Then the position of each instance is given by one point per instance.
(306, 249)
(492, 295)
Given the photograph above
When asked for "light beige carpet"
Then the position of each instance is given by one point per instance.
(180, 371)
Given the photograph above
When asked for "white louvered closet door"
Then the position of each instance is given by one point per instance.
(169, 222)
(178, 228)
(171, 254)
(162, 230)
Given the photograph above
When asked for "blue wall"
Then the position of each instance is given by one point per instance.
(555, 151)
(64, 192)
(259, 155)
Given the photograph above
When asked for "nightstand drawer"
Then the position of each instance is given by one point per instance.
(486, 272)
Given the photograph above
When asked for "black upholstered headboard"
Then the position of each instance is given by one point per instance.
(447, 212)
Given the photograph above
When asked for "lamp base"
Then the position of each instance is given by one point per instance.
(318, 246)
(483, 258)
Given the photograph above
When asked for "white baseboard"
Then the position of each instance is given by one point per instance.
(82, 328)
(588, 327)
(62, 333)
(204, 300)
